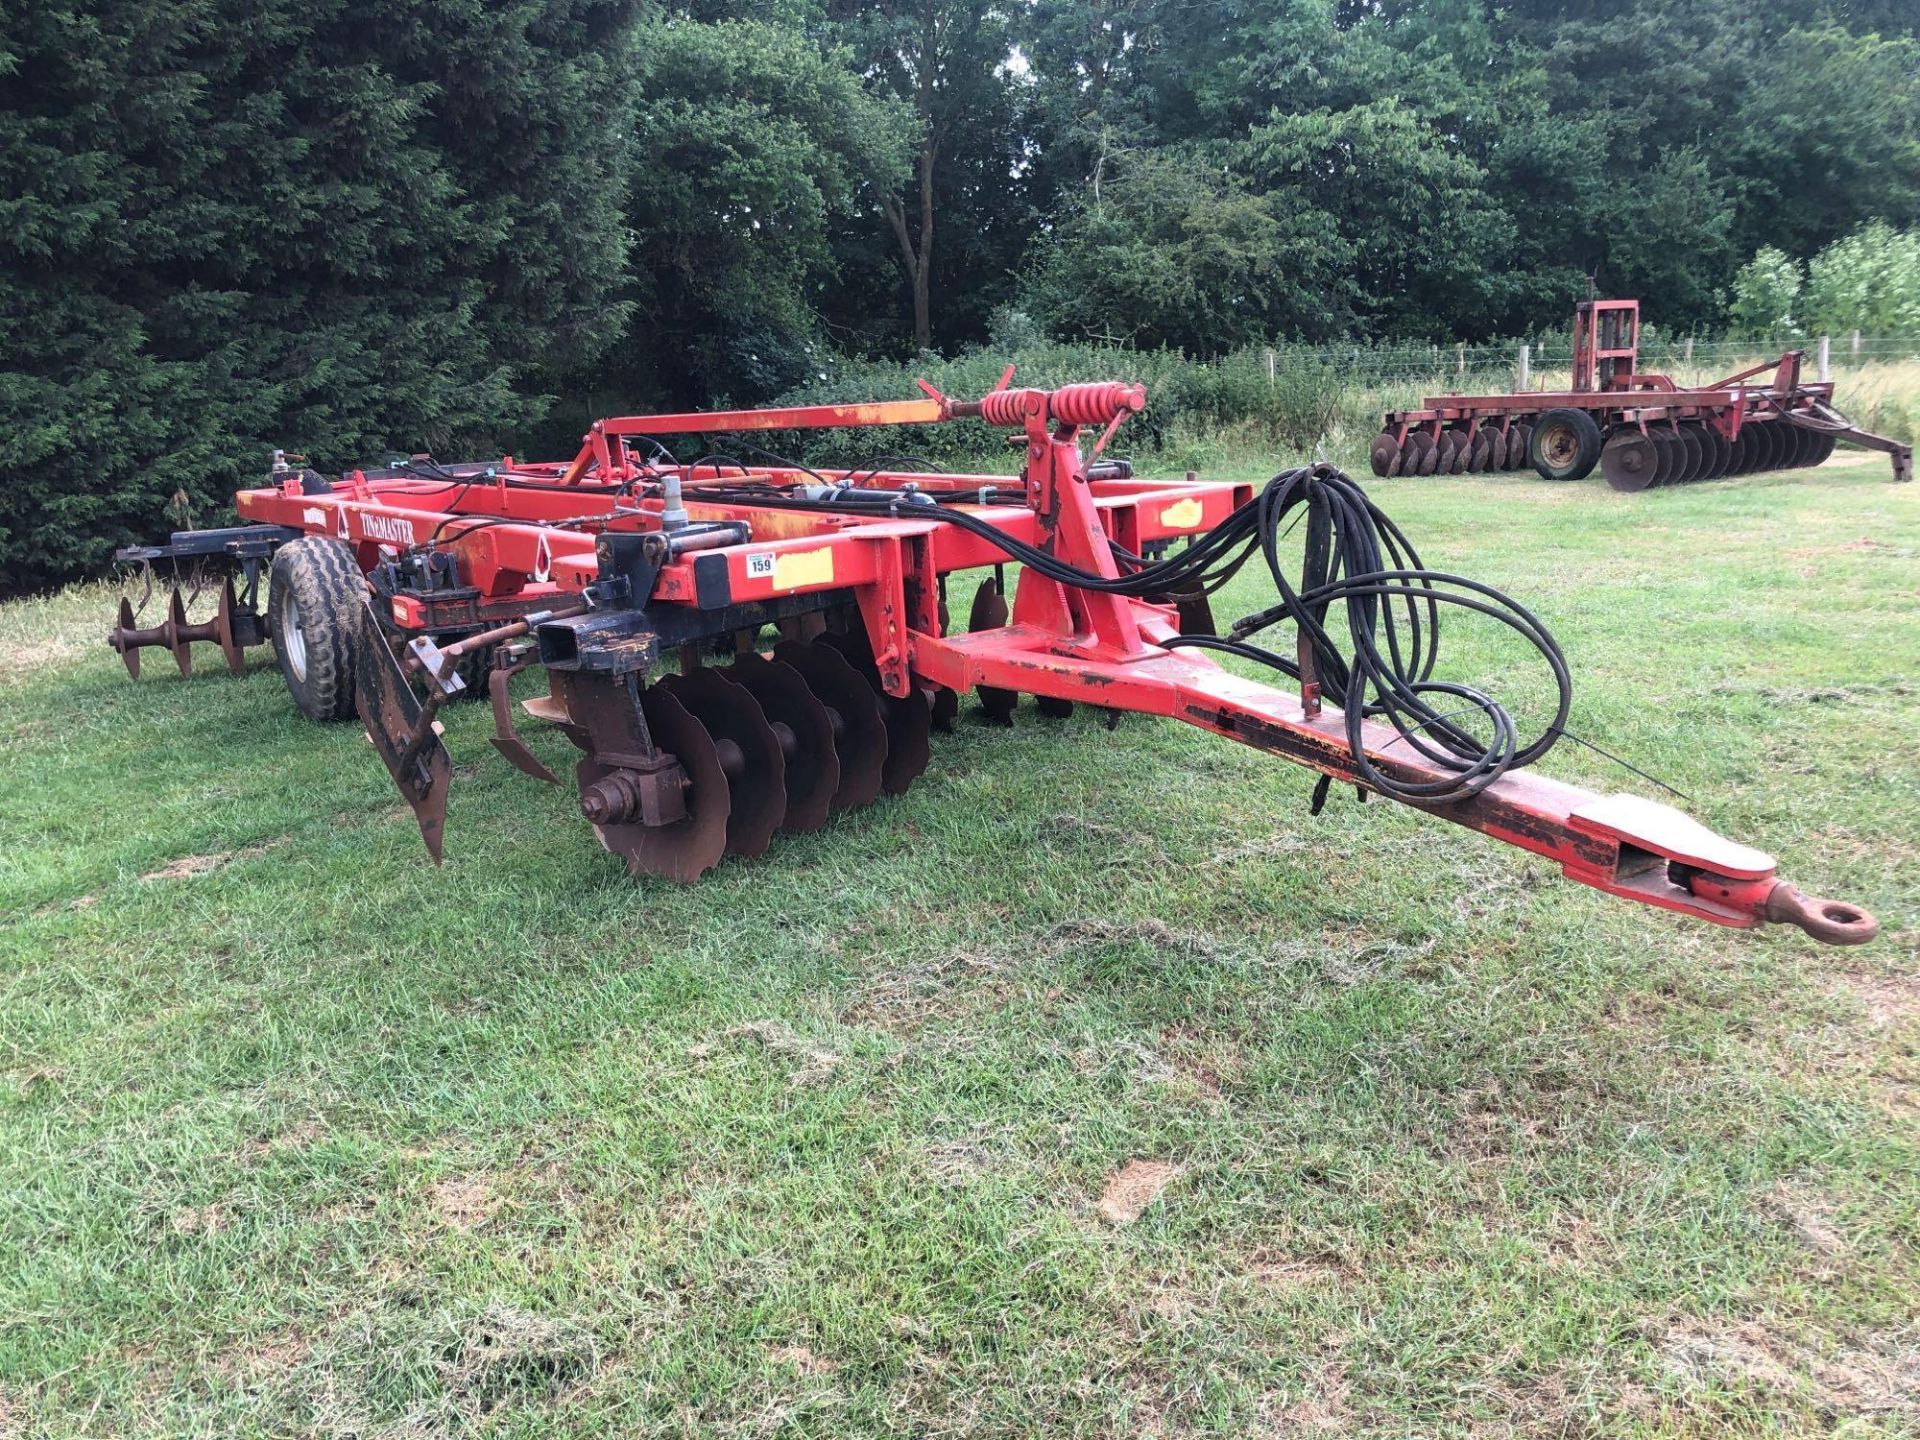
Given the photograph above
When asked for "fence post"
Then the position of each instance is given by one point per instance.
(1460, 360)
(1523, 368)
(1270, 365)
(1689, 350)
(1856, 344)
(1826, 357)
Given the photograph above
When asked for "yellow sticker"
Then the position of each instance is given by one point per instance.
(1182, 515)
(797, 568)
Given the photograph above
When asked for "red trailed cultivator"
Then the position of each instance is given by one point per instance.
(803, 612)
(1642, 429)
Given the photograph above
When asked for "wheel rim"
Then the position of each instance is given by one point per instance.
(292, 642)
(1559, 446)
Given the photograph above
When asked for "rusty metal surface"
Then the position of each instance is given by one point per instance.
(853, 712)
(506, 738)
(230, 629)
(804, 729)
(405, 733)
(749, 751)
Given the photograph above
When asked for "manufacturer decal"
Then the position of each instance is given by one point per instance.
(798, 568)
(387, 527)
(1183, 515)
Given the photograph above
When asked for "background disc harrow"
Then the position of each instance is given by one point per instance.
(1664, 454)
(1677, 455)
(231, 628)
(1471, 449)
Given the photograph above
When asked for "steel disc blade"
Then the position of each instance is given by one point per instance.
(1766, 448)
(1462, 451)
(1053, 707)
(1481, 458)
(692, 845)
(1822, 450)
(1444, 447)
(1802, 445)
(909, 740)
(176, 622)
(859, 728)
(851, 643)
(989, 612)
(813, 766)
(1519, 443)
(1693, 457)
(223, 629)
(1719, 454)
(943, 706)
(749, 753)
(909, 718)
(1629, 460)
(1383, 453)
(1742, 452)
(129, 653)
(1667, 456)
(1496, 448)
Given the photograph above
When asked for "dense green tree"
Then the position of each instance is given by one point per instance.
(343, 227)
(755, 142)
(1868, 281)
(1172, 249)
(1766, 295)
(329, 226)
(1825, 135)
(947, 60)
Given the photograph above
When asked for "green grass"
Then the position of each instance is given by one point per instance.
(325, 1141)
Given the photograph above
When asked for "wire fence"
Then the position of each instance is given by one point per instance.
(1525, 364)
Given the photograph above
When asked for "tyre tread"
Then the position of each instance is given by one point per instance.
(323, 577)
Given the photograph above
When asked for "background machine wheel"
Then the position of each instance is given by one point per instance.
(1565, 445)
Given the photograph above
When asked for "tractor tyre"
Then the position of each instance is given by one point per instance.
(316, 618)
(1565, 445)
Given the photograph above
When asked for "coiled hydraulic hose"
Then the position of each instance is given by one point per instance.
(1356, 557)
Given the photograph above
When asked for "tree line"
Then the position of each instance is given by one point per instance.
(348, 227)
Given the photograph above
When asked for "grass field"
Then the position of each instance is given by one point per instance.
(302, 1136)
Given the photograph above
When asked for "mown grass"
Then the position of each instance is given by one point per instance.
(320, 1140)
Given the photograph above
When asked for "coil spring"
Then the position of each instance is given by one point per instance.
(1092, 404)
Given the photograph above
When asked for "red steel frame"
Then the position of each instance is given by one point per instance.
(1062, 642)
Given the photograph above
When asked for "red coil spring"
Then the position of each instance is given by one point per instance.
(1098, 403)
(1093, 404)
(1012, 407)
